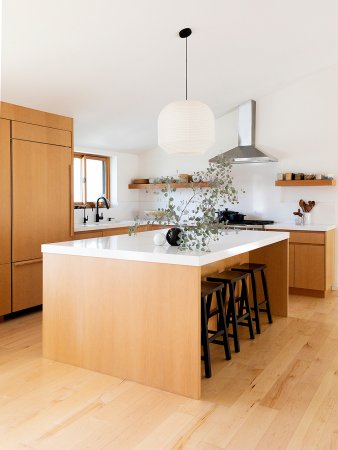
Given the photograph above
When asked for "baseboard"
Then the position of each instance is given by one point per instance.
(308, 292)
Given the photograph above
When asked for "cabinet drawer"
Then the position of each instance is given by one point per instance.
(38, 133)
(5, 289)
(115, 231)
(87, 235)
(27, 284)
(307, 237)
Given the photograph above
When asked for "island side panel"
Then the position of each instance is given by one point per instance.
(130, 319)
(276, 257)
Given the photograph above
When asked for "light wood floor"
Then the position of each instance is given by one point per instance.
(280, 392)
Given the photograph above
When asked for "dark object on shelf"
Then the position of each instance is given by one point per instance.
(173, 236)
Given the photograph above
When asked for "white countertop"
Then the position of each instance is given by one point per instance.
(103, 225)
(142, 248)
(293, 226)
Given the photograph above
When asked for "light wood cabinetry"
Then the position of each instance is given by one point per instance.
(5, 289)
(305, 183)
(291, 265)
(5, 192)
(87, 235)
(27, 284)
(310, 267)
(115, 231)
(36, 150)
(38, 133)
(41, 197)
(311, 262)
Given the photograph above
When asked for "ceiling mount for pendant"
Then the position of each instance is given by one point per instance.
(185, 33)
(186, 126)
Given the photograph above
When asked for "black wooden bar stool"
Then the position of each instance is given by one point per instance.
(252, 269)
(238, 309)
(207, 290)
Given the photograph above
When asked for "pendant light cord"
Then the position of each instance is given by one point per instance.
(186, 68)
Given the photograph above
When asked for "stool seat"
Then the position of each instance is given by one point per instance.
(225, 276)
(249, 267)
(208, 287)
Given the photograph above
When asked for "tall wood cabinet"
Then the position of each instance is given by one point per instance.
(5, 218)
(36, 155)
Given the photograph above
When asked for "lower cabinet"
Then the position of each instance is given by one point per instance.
(26, 284)
(291, 265)
(311, 262)
(310, 267)
(5, 289)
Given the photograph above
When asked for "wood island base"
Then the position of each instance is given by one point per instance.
(139, 320)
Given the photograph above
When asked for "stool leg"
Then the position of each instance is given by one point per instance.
(266, 296)
(231, 312)
(247, 306)
(223, 325)
(204, 338)
(255, 301)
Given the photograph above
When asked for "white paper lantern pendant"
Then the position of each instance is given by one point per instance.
(186, 126)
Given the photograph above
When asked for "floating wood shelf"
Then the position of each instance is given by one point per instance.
(163, 185)
(305, 183)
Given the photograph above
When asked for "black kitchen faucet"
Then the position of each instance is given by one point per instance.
(98, 217)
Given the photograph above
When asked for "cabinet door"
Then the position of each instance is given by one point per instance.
(5, 289)
(291, 265)
(27, 284)
(310, 266)
(5, 192)
(37, 133)
(41, 197)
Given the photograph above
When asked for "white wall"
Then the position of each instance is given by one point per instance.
(125, 203)
(298, 125)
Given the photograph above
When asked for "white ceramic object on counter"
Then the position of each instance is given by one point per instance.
(306, 218)
(159, 239)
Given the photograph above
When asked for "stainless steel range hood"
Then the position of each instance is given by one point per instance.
(246, 152)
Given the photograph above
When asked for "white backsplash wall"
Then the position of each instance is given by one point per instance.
(298, 125)
(125, 202)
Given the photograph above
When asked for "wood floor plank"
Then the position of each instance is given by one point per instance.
(280, 391)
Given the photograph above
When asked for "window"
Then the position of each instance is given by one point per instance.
(91, 178)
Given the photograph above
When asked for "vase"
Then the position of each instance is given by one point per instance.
(173, 236)
(307, 218)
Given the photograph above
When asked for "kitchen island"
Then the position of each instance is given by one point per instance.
(122, 306)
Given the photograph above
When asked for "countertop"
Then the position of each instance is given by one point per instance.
(294, 227)
(141, 247)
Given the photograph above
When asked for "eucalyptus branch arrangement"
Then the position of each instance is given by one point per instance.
(195, 215)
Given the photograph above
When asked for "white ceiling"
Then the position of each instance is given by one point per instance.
(113, 64)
